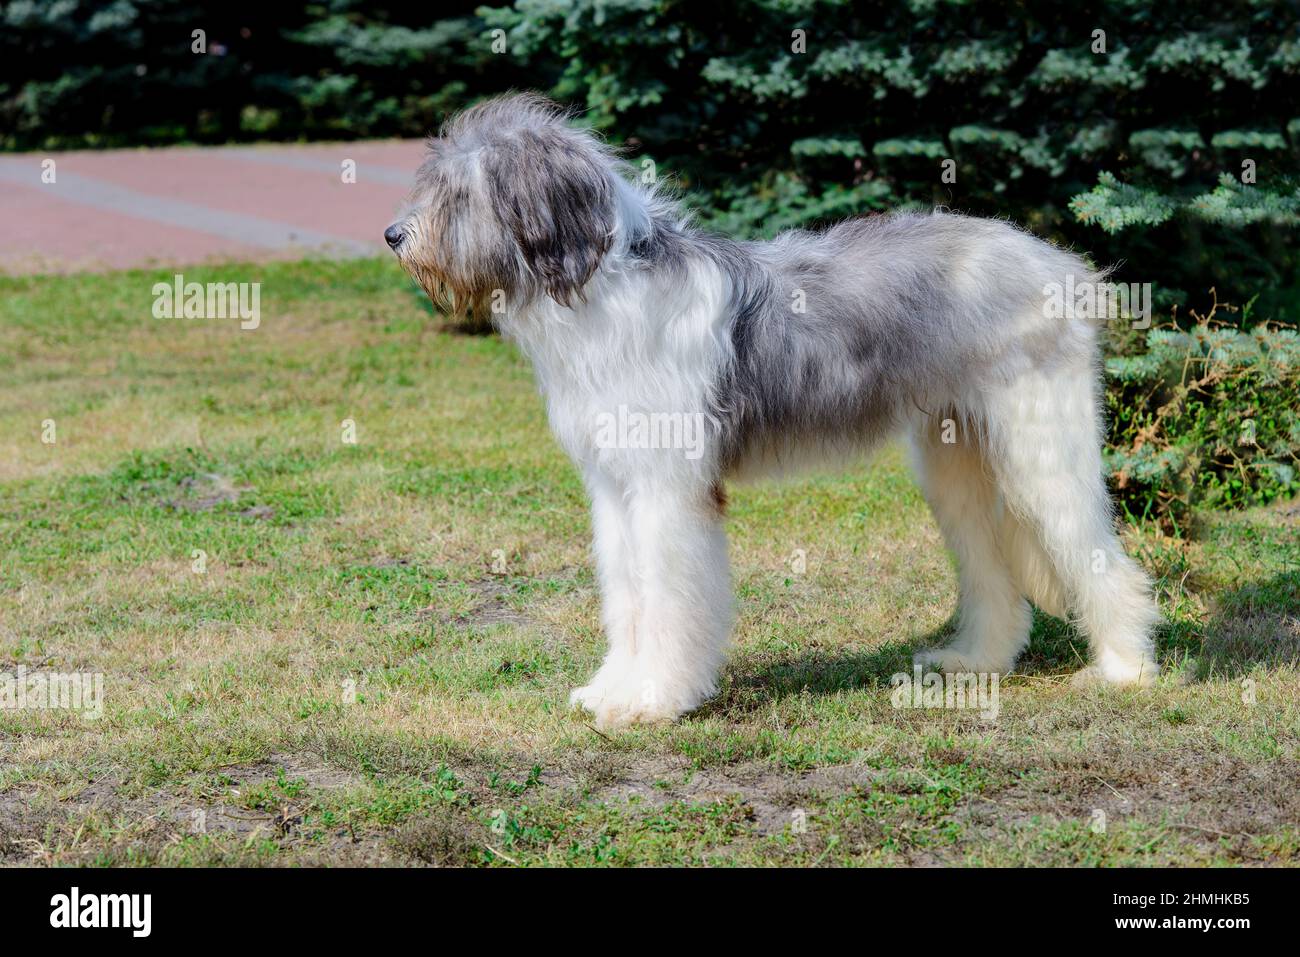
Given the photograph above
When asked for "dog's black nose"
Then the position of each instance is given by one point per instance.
(393, 235)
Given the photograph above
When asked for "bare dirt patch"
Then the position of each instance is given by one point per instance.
(205, 491)
(490, 608)
(64, 831)
(19, 824)
(772, 794)
(1213, 800)
(442, 838)
(1217, 803)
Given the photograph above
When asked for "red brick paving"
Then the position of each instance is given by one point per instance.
(40, 232)
(181, 206)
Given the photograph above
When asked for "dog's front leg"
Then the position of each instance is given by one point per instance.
(616, 572)
(667, 662)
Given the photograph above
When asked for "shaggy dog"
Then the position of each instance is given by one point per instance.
(780, 353)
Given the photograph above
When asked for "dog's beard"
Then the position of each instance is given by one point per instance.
(438, 290)
(446, 297)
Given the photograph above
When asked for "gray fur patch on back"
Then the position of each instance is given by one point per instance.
(836, 334)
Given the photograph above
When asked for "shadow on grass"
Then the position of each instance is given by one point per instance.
(757, 680)
(1056, 649)
(1256, 624)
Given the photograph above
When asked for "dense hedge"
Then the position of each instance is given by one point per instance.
(773, 112)
(126, 72)
(1208, 416)
(1161, 135)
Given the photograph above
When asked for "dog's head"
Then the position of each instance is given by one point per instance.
(511, 201)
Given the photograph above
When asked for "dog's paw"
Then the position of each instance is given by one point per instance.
(1140, 674)
(956, 660)
(619, 706)
(588, 697)
(620, 694)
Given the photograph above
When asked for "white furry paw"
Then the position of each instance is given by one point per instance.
(617, 697)
(1115, 671)
(955, 660)
(611, 711)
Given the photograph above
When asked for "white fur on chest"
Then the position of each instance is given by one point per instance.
(643, 345)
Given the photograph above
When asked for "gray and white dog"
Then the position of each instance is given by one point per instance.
(785, 353)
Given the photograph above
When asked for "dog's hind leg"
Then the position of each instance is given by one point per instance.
(1046, 458)
(993, 619)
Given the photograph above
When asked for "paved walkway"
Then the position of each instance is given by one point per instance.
(180, 206)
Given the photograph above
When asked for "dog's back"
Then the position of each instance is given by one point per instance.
(849, 329)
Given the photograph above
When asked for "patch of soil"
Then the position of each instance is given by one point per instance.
(20, 825)
(442, 838)
(148, 823)
(1211, 799)
(490, 609)
(205, 491)
(773, 796)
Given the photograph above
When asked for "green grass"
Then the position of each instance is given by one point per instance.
(372, 664)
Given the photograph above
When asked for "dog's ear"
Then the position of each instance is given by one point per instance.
(554, 196)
